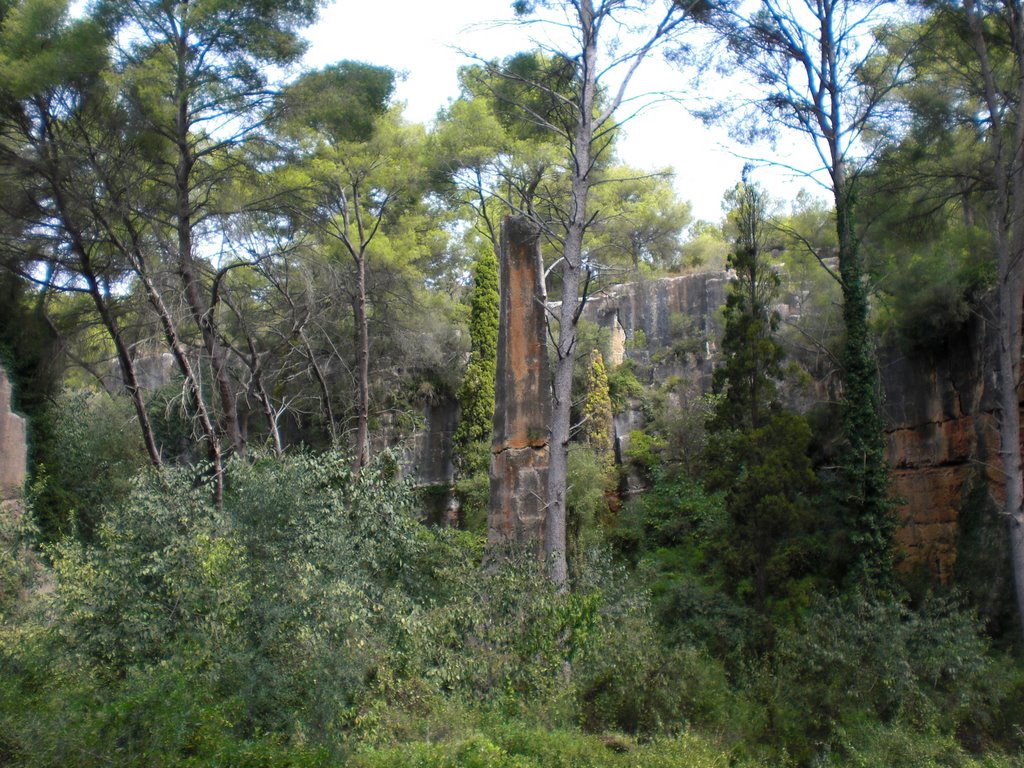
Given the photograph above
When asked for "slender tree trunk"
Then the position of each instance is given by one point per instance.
(362, 340)
(1011, 295)
(269, 414)
(1008, 228)
(127, 366)
(255, 366)
(321, 381)
(187, 270)
(1009, 424)
(191, 380)
(569, 311)
(124, 356)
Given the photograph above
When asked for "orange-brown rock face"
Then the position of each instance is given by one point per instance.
(522, 413)
(940, 408)
(13, 445)
(943, 440)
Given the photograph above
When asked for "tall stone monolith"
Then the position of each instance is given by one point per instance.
(13, 445)
(522, 398)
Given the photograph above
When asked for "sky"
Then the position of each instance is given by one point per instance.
(423, 40)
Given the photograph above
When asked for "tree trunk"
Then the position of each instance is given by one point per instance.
(362, 339)
(124, 356)
(321, 381)
(1008, 229)
(1009, 424)
(569, 311)
(191, 381)
(865, 476)
(127, 365)
(186, 258)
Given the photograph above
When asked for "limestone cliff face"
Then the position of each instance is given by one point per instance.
(13, 446)
(654, 314)
(938, 407)
(943, 442)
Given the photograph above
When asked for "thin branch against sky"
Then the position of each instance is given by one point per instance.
(426, 46)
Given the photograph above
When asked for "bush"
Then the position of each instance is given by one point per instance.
(288, 598)
(854, 662)
(92, 450)
(515, 746)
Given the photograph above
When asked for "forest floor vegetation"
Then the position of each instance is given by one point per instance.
(315, 621)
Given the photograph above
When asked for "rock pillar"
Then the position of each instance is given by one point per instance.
(522, 398)
(13, 446)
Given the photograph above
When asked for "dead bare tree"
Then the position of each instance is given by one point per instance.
(606, 42)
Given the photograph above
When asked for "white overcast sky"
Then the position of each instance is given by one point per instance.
(422, 40)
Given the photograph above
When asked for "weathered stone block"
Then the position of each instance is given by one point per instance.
(522, 413)
(13, 444)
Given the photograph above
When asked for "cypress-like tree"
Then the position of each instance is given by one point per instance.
(752, 357)
(476, 395)
(598, 429)
(758, 452)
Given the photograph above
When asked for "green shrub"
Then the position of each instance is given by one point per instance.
(900, 746)
(92, 450)
(288, 598)
(516, 746)
(854, 662)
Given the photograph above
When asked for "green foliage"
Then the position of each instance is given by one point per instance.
(898, 746)
(767, 478)
(596, 417)
(757, 453)
(640, 222)
(932, 284)
(623, 385)
(473, 486)
(91, 449)
(520, 106)
(476, 393)
(520, 633)
(42, 49)
(631, 681)
(285, 588)
(591, 483)
(342, 101)
(706, 247)
(525, 747)
(314, 621)
(751, 356)
(853, 664)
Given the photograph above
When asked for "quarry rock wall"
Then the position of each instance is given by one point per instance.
(13, 446)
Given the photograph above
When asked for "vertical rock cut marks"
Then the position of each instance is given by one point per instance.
(522, 413)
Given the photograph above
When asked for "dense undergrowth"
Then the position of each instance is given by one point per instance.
(316, 621)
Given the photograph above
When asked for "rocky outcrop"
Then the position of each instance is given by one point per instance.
(652, 315)
(431, 454)
(522, 415)
(943, 443)
(939, 406)
(13, 446)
